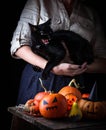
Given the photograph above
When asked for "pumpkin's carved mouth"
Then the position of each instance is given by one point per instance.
(51, 108)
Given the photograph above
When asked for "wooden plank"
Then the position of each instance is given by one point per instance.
(58, 124)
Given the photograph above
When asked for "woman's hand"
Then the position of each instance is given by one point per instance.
(69, 69)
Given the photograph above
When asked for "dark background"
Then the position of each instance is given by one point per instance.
(11, 68)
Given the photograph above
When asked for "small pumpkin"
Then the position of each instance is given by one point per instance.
(70, 100)
(34, 109)
(28, 104)
(40, 95)
(53, 105)
(32, 106)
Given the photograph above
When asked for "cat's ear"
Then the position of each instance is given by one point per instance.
(32, 27)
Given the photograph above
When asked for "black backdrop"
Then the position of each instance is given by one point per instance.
(10, 68)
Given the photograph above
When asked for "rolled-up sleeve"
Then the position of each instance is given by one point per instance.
(21, 35)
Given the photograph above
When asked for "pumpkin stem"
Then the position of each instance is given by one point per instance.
(73, 81)
(42, 85)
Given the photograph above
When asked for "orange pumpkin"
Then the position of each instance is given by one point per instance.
(70, 100)
(32, 106)
(53, 105)
(40, 95)
(85, 95)
(28, 104)
(69, 89)
(34, 109)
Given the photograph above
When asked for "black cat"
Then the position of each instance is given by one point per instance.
(48, 44)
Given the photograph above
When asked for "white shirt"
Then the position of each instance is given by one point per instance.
(81, 21)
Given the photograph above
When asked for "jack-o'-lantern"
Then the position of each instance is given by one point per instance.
(71, 93)
(92, 107)
(28, 104)
(70, 100)
(32, 107)
(53, 105)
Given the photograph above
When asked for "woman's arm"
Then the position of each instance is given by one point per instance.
(98, 66)
(25, 53)
(67, 69)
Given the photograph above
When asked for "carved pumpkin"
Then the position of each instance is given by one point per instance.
(53, 105)
(32, 107)
(70, 100)
(28, 104)
(92, 107)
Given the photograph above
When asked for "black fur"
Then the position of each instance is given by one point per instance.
(48, 44)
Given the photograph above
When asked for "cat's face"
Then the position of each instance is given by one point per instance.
(42, 31)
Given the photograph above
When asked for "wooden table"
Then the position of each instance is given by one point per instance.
(50, 124)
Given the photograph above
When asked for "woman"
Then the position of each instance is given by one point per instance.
(71, 15)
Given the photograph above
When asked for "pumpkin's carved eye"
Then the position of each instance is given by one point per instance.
(55, 100)
(73, 99)
(44, 102)
(88, 106)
